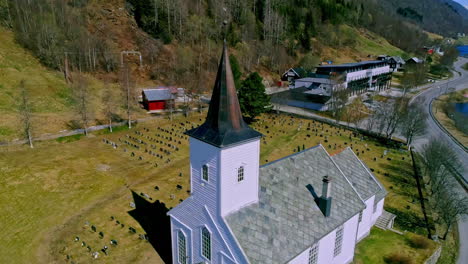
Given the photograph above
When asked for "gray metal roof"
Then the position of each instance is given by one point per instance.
(415, 60)
(317, 91)
(398, 59)
(286, 220)
(158, 94)
(325, 80)
(350, 65)
(357, 173)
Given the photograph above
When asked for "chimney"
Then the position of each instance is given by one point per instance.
(326, 187)
(325, 199)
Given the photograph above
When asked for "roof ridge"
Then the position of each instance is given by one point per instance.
(289, 156)
(367, 170)
(347, 180)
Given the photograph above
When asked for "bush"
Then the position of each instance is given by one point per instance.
(398, 258)
(418, 242)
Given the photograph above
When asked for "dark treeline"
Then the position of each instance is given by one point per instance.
(270, 33)
(290, 23)
(56, 32)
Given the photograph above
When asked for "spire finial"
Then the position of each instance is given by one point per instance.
(224, 124)
(225, 23)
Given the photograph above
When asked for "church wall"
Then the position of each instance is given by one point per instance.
(200, 154)
(175, 227)
(201, 209)
(367, 216)
(378, 212)
(327, 246)
(239, 194)
(349, 242)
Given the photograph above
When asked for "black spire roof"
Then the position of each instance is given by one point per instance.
(224, 124)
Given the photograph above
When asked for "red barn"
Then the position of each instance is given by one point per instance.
(157, 99)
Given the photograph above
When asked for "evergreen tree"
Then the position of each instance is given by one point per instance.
(252, 97)
(236, 71)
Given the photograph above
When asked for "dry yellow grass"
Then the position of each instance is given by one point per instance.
(47, 202)
(50, 96)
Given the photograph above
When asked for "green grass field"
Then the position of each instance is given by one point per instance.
(54, 192)
(380, 244)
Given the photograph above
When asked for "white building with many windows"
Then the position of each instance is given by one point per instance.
(306, 208)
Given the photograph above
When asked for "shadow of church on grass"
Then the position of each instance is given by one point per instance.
(154, 220)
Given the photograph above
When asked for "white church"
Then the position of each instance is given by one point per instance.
(306, 208)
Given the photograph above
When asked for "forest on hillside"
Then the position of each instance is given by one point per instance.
(451, 18)
(268, 34)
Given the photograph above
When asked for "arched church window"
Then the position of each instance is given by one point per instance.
(206, 243)
(205, 172)
(182, 246)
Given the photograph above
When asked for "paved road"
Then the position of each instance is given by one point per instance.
(429, 92)
(435, 132)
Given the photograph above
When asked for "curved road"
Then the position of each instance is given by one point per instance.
(434, 131)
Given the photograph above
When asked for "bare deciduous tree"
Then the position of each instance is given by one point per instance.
(413, 123)
(438, 160)
(109, 105)
(26, 113)
(82, 99)
(127, 85)
(450, 206)
(338, 100)
(390, 115)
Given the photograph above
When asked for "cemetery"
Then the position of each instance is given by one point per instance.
(102, 191)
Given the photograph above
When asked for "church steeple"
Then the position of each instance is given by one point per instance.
(224, 124)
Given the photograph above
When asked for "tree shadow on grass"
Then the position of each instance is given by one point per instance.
(154, 220)
(401, 175)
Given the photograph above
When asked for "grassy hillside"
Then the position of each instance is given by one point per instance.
(51, 97)
(361, 44)
(47, 88)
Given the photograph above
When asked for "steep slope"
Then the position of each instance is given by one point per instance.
(444, 17)
(51, 98)
(47, 88)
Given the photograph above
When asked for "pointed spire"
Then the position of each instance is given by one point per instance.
(224, 124)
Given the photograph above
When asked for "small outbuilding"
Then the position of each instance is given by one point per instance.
(293, 74)
(414, 60)
(157, 99)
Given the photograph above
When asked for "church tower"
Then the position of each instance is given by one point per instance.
(224, 150)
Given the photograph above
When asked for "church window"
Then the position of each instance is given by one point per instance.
(206, 243)
(338, 241)
(205, 172)
(182, 248)
(313, 254)
(240, 174)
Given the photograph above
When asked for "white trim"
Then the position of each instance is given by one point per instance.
(340, 244)
(235, 238)
(217, 229)
(190, 231)
(201, 243)
(178, 246)
(207, 172)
